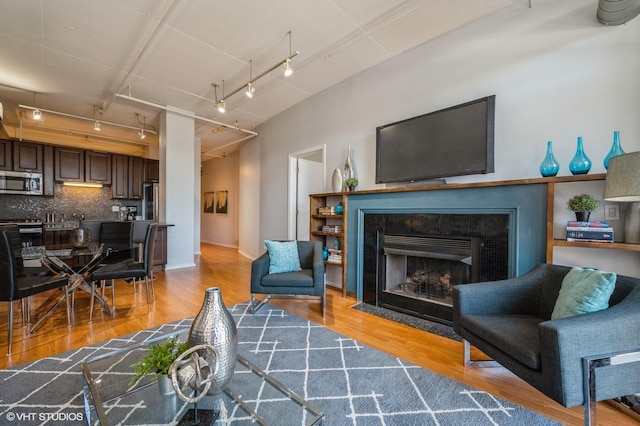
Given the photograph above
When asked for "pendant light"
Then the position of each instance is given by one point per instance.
(250, 88)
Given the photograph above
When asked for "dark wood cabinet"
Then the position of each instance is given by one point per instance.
(97, 167)
(160, 249)
(136, 178)
(6, 159)
(27, 157)
(119, 176)
(69, 164)
(151, 171)
(48, 171)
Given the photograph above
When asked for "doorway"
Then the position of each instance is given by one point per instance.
(306, 176)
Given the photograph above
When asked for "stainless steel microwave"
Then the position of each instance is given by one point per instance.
(24, 183)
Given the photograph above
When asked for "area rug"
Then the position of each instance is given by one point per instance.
(351, 383)
(419, 323)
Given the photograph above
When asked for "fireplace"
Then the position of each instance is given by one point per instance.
(412, 261)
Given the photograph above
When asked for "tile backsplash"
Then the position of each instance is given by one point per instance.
(94, 203)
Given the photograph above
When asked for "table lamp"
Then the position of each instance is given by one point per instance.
(623, 185)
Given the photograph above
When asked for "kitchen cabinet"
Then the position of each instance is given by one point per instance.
(136, 178)
(97, 167)
(27, 157)
(6, 159)
(151, 171)
(119, 176)
(327, 228)
(48, 178)
(160, 249)
(69, 164)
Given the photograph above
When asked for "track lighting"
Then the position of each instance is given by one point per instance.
(250, 90)
(248, 87)
(141, 134)
(37, 115)
(287, 68)
(96, 126)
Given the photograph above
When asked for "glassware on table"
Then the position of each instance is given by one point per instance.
(80, 237)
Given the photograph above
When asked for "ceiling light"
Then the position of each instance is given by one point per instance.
(287, 68)
(37, 115)
(141, 134)
(250, 90)
(83, 184)
(221, 106)
(96, 126)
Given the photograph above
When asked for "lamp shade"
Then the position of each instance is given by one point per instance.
(623, 178)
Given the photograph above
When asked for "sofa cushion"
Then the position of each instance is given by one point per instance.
(584, 291)
(283, 256)
(515, 335)
(303, 278)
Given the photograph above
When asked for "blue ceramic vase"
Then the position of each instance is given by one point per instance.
(339, 208)
(616, 149)
(549, 166)
(580, 164)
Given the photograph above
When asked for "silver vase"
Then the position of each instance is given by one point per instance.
(349, 169)
(215, 326)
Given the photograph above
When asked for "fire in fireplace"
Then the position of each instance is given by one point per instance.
(419, 270)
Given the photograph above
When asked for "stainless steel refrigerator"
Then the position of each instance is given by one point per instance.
(150, 207)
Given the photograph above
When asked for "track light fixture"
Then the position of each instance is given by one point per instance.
(96, 123)
(141, 134)
(248, 87)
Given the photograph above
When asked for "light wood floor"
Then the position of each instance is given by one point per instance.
(179, 294)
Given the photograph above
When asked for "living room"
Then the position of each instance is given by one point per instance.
(557, 74)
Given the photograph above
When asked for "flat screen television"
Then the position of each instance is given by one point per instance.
(453, 141)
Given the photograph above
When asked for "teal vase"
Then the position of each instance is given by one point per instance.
(549, 166)
(580, 164)
(616, 149)
(339, 208)
(325, 253)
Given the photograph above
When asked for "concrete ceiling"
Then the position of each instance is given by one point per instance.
(99, 59)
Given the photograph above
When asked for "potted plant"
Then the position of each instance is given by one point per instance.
(582, 205)
(158, 360)
(351, 183)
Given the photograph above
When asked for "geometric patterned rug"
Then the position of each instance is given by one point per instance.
(351, 383)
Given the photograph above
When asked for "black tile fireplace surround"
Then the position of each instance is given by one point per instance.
(423, 277)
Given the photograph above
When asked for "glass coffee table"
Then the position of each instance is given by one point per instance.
(252, 396)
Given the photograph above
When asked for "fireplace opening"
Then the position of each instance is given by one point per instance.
(422, 269)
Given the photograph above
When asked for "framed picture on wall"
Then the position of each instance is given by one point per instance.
(208, 202)
(221, 201)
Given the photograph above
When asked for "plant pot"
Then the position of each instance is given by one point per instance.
(583, 216)
(165, 385)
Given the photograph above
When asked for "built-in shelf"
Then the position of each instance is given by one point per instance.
(597, 245)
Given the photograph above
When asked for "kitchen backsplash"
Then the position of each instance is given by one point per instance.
(94, 203)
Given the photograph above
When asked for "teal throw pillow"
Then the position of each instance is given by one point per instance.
(584, 291)
(283, 256)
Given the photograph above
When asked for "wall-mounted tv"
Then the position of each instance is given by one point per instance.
(453, 141)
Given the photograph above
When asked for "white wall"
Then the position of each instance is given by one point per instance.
(220, 175)
(250, 244)
(556, 73)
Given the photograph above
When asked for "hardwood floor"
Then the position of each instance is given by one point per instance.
(179, 294)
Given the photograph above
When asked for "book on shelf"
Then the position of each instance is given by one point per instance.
(590, 235)
(580, 224)
(334, 259)
(588, 240)
(326, 210)
(588, 229)
(332, 228)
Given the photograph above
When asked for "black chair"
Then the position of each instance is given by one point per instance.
(16, 245)
(128, 268)
(14, 287)
(309, 281)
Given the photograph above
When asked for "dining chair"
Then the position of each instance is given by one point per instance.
(129, 269)
(14, 287)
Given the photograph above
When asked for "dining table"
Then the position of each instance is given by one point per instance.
(76, 264)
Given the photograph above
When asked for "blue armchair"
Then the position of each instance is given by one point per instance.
(510, 321)
(310, 281)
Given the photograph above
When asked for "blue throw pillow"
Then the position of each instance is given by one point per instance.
(584, 291)
(283, 256)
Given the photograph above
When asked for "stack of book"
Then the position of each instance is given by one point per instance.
(335, 256)
(327, 210)
(589, 231)
(332, 228)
